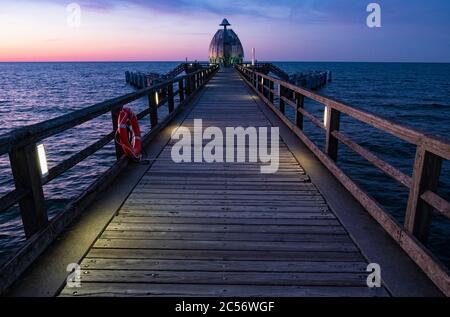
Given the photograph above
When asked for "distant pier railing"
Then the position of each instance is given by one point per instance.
(431, 151)
(22, 146)
(141, 80)
(310, 79)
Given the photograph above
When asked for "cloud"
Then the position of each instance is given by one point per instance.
(305, 11)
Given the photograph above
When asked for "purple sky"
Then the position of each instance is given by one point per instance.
(302, 30)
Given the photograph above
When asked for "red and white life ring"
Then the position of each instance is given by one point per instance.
(129, 134)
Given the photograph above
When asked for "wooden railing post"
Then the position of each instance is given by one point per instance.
(191, 84)
(181, 90)
(170, 98)
(299, 101)
(27, 177)
(271, 87)
(332, 124)
(115, 117)
(263, 85)
(426, 172)
(188, 85)
(153, 106)
(260, 84)
(282, 102)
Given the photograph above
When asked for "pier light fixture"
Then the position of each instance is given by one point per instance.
(42, 159)
(325, 116)
(253, 56)
(157, 98)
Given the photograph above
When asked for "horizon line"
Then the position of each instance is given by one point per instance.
(246, 62)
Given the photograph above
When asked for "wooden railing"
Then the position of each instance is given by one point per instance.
(21, 145)
(422, 185)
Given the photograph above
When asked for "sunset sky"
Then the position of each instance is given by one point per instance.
(291, 30)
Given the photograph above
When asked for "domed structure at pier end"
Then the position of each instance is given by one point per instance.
(226, 48)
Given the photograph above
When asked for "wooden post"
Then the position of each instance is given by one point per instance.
(426, 172)
(170, 98)
(115, 116)
(27, 177)
(181, 90)
(271, 87)
(282, 103)
(191, 84)
(195, 82)
(188, 86)
(299, 101)
(163, 93)
(332, 124)
(153, 106)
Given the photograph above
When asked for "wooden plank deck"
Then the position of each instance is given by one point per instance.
(197, 229)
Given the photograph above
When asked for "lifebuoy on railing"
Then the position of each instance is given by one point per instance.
(128, 134)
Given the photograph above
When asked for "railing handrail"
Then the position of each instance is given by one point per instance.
(430, 152)
(433, 143)
(41, 130)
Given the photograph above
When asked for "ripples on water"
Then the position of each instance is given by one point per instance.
(414, 94)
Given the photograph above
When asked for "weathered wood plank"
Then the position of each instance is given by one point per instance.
(226, 245)
(234, 278)
(223, 266)
(224, 221)
(224, 202)
(272, 199)
(212, 236)
(129, 208)
(141, 289)
(226, 228)
(227, 214)
(248, 255)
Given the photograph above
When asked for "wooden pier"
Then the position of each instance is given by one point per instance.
(225, 229)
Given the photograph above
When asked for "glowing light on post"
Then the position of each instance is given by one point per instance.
(157, 98)
(325, 116)
(42, 159)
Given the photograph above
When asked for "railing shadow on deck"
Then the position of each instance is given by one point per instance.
(22, 146)
(431, 151)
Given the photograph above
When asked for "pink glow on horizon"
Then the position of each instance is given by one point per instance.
(107, 51)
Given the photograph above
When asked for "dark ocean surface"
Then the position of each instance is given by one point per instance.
(417, 95)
